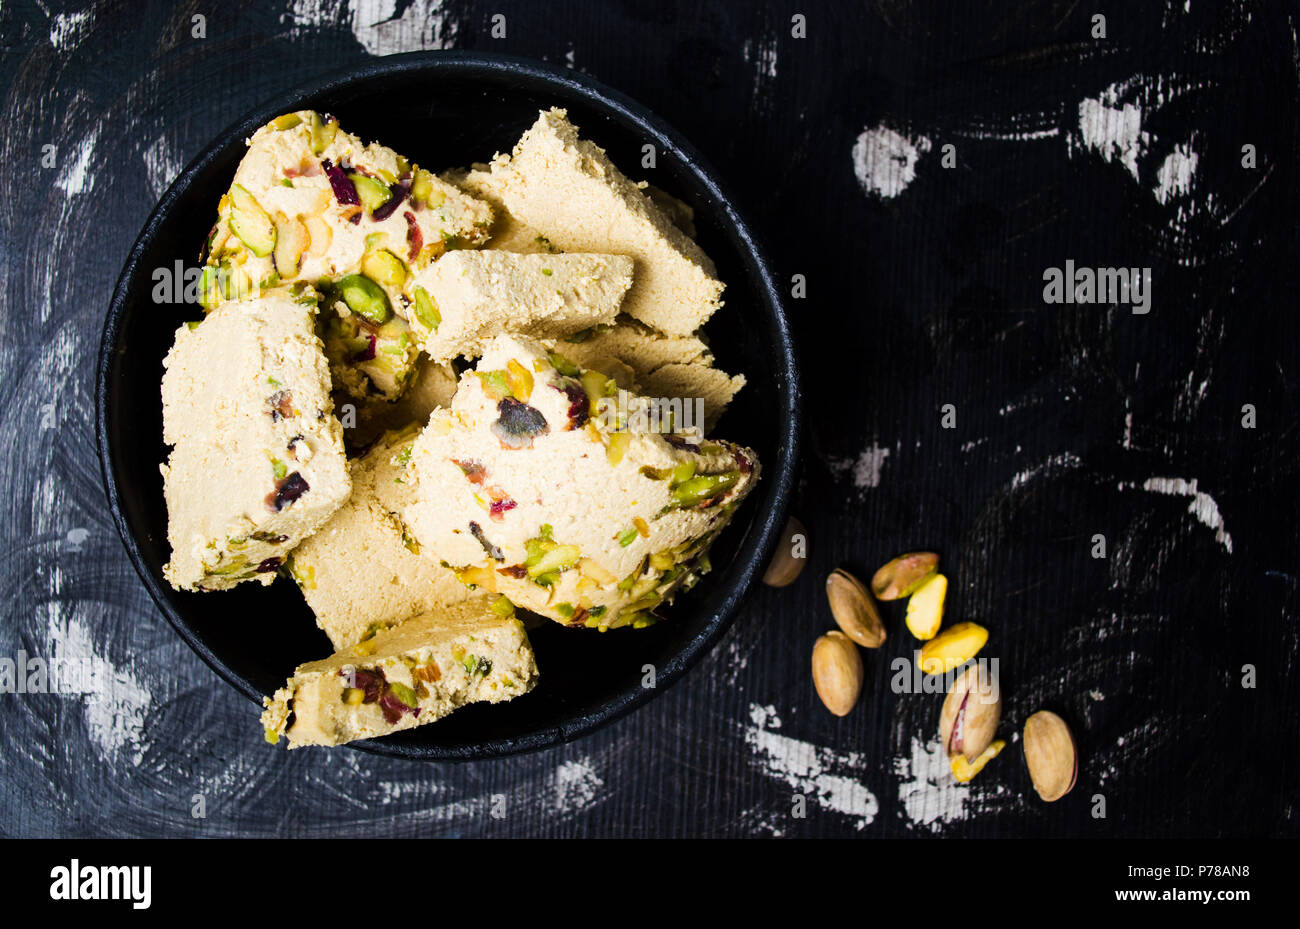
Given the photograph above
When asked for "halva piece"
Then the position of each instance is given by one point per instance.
(258, 462)
(546, 483)
(405, 676)
(311, 202)
(664, 366)
(508, 234)
(568, 189)
(475, 295)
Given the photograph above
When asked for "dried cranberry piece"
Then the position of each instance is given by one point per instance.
(501, 502)
(413, 235)
(367, 353)
(742, 462)
(579, 407)
(515, 570)
(472, 470)
(287, 490)
(371, 683)
(344, 190)
(518, 424)
(268, 565)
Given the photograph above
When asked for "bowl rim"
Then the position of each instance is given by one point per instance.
(751, 558)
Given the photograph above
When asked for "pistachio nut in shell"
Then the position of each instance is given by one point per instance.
(971, 713)
(837, 672)
(791, 555)
(1050, 755)
(854, 610)
(898, 578)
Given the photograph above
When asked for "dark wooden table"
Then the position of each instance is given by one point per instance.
(923, 165)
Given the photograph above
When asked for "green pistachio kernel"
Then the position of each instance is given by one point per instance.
(383, 267)
(702, 487)
(403, 693)
(502, 607)
(563, 365)
(426, 310)
(495, 384)
(365, 298)
(548, 557)
(322, 133)
(250, 222)
(373, 193)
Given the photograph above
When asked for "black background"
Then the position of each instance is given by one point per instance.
(1063, 416)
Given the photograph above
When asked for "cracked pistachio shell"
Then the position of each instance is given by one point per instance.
(899, 577)
(971, 713)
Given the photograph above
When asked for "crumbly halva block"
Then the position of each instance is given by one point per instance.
(312, 203)
(637, 345)
(476, 295)
(679, 212)
(545, 483)
(405, 676)
(568, 189)
(711, 387)
(258, 461)
(664, 366)
(362, 571)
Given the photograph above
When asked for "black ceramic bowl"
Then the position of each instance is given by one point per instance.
(445, 110)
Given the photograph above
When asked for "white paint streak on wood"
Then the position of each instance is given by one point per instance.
(1203, 506)
(884, 160)
(825, 776)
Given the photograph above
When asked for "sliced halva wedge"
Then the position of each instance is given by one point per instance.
(545, 483)
(475, 295)
(567, 188)
(405, 676)
(257, 462)
(362, 570)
